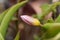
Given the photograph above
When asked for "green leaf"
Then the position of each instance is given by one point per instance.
(2, 15)
(1, 37)
(45, 7)
(50, 20)
(36, 37)
(52, 29)
(7, 18)
(57, 37)
(48, 10)
(14, 18)
(17, 36)
(57, 20)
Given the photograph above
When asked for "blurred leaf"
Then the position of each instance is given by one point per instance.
(45, 10)
(54, 10)
(2, 15)
(57, 37)
(17, 36)
(35, 16)
(50, 20)
(52, 29)
(45, 7)
(1, 37)
(7, 18)
(48, 8)
(36, 37)
(57, 20)
(14, 18)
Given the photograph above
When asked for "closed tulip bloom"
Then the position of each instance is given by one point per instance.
(30, 20)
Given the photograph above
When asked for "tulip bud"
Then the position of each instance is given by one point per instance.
(30, 20)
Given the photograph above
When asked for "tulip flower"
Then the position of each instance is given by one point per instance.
(30, 20)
